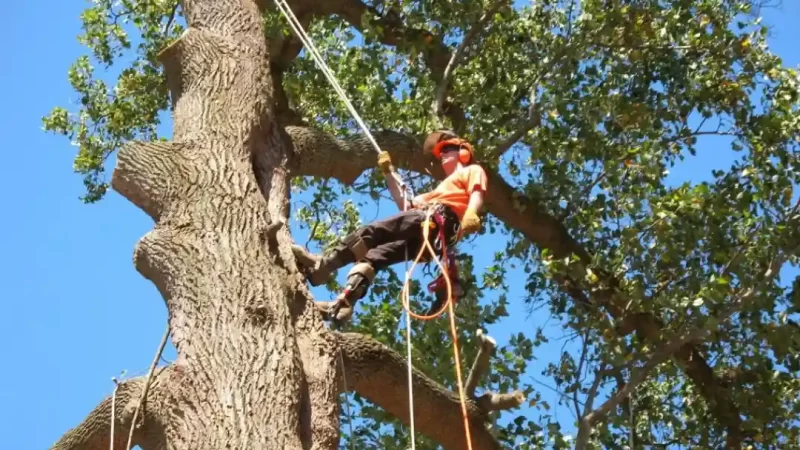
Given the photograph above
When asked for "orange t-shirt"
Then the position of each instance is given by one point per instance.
(455, 190)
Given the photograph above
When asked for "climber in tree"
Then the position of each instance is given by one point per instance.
(454, 205)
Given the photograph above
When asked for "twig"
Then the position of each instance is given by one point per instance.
(506, 144)
(171, 17)
(441, 90)
(615, 46)
(570, 208)
(113, 412)
(147, 385)
(582, 361)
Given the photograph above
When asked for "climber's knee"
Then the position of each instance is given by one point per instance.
(356, 245)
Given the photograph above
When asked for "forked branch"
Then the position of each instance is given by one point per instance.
(664, 352)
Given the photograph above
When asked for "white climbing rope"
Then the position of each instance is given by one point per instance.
(347, 401)
(301, 34)
(298, 29)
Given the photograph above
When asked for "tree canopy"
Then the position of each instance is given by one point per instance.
(670, 294)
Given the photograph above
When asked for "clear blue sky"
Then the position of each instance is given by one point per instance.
(76, 312)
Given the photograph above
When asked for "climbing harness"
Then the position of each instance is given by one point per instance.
(427, 225)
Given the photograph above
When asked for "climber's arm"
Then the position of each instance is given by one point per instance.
(396, 189)
(476, 181)
(393, 180)
(475, 201)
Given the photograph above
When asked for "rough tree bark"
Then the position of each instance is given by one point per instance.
(242, 381)
(256, 368)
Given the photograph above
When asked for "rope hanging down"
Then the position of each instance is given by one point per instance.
(301, 34)
(448, 305)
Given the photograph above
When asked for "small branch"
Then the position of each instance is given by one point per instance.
(509, 142)
(171, 17)
(534, 120)
(579, 371)
(641, 47)
(585, 427)
(570, 208)
(146, 386)
(441, 90)
(662, 354)
(481, 364)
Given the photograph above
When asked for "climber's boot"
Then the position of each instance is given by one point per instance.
(320, 269)
(358, 281)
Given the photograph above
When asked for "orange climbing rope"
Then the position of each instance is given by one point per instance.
(448, 305)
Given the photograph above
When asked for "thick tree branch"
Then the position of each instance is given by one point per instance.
(93, 433)
(317, 152)
(379, 374)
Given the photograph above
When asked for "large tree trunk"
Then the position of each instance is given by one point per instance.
(256, 368)
(216, 255)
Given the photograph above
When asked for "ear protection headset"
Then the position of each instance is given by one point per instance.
(464, 149)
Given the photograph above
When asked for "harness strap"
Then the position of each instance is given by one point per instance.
(436, 212)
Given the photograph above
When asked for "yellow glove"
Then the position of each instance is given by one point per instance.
(385, 162)
(470, 223)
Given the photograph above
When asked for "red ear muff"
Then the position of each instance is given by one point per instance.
(464, 155)
(464, 149)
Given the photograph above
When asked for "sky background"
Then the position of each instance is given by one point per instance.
(75, 311)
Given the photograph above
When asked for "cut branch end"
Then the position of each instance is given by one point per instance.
(481, 364)
(144, 174)
(499, 402)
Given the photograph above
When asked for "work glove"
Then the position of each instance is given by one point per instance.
(385, 161)
(470, 223)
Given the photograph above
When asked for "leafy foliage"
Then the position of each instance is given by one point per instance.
(626, 92)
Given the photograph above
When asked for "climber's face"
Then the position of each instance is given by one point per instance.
(450, 161)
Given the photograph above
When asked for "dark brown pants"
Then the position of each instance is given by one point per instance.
(387, 238)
